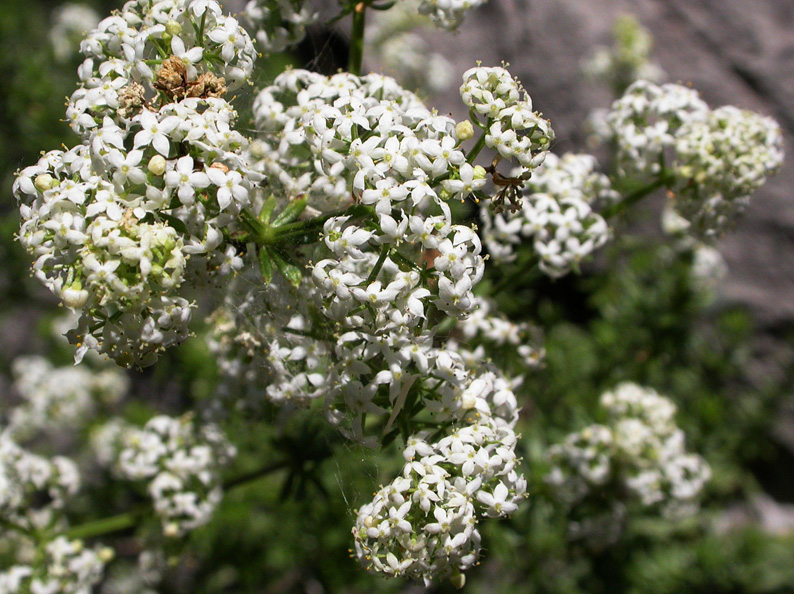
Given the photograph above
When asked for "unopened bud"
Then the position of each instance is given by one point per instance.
(45, 182)
(157, 165)
(173, 28)
(479, 172)
(464, 130)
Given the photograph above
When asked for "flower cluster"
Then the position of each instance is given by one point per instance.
(719, 161)
(60, 397)
(556, 214)
(494, 334)
(278, 25)
(511, 127)
(65, 567)
(645, 122)
(712, 160)
(424, 523)
(639, 454)
(33, 487)
(158, 177)
(181, 462)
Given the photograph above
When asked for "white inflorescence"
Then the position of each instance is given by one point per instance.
(424, 523)
(114, 221)
(65, 567)
(640, 452)
(556, 215)
(711, 159)
(25, 477)
(719, 161)
(60, 397)
(180, 461)
(512, 128)
(360, 335)
(645, 123)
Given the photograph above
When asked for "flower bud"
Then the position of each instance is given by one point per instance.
(74, 297)
(157, 165)
(173, 28)
(479, 172)
(464, 130)
(45, 182)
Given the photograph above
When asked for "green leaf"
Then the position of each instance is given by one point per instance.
(291, 212)
(265, 265)
(291, 272)
(267, 209)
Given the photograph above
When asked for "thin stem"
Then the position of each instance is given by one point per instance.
(357, 39)
(476, 149)
(634, 197)
(102, 526)
(130, 519)
(8, 524)
(384, 253)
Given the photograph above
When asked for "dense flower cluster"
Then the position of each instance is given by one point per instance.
(712, 160)
(65, 567)
(556, 214)
(280, 24)
(179, 460)
(158, 177)
(33, 487)
(645, 123)
(511, 127)
(60, 397)
(719, 161)
(639, 454)
(424, 523)
(492, 334)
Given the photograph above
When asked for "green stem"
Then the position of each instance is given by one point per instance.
(634, 197)
(476, 149)
(130, 519)
(106, 525)
(384, 253)
(9, 525)
(357, 39)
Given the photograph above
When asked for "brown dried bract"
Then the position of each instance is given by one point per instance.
(207, 85)
(172, 79)
(131, 100)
